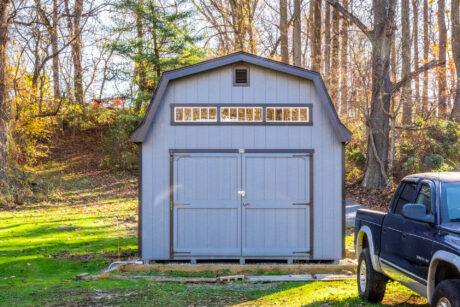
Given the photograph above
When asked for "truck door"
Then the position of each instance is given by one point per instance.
(417, 237)
(393, 255)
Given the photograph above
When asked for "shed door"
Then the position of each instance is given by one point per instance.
(206, 204)
(277, 204)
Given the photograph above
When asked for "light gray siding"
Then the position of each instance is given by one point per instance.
(266, 86)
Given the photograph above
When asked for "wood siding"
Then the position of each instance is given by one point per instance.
(267, 87)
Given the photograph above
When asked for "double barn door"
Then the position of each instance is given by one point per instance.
(241, 204)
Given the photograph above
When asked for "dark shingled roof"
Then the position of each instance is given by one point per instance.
(343, 134)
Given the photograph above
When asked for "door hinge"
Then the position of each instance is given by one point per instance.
(301, 204)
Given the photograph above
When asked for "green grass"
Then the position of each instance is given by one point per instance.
(43, 246)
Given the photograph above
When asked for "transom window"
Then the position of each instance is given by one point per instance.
(291, 114)
(239, 114)
(195, 114)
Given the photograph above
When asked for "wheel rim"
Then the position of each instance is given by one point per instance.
(362, 276)
(443, 302)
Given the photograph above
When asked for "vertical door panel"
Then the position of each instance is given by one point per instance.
(206, 204)
(276, 207)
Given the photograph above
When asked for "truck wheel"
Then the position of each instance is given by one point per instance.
(371, 284)
(447, 294)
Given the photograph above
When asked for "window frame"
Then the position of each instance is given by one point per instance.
(264, 121)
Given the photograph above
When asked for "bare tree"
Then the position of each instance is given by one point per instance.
(415, 11)
(232, 23)
(442, 76)
(344, 63)
(426, 50)
(4, 104)
(383, 89)
(455, 13)
(334, 78)
(284, 32)
(406, 62)
(327, 43)
(74, 25)
(296, 36)
(315, 9)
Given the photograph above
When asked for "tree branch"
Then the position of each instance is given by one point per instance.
(407, 78)
(350, 16)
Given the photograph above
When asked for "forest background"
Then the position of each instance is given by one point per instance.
(71, 67)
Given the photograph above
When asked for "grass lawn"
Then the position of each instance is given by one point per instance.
(43, 246)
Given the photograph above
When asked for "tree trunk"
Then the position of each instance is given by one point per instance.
(406, 63)
(327, 43)
(426, 51)
(455, 13)
(296, 35)
(139, 65)
(334, 83)
(378, 123)
(55, 51)
(283, 32)
(4, 104)
(316, 36)
(74, 25)
(442, 78)
(415, 9)
(344, 64)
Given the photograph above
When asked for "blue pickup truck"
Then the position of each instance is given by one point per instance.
(416, 243)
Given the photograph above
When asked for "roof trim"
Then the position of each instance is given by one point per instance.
(343, 134)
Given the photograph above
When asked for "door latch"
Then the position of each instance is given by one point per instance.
(245, 204)
(242, 193)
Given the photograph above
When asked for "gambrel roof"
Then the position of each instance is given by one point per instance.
(343, 134)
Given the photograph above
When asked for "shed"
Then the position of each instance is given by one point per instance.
(241, 157)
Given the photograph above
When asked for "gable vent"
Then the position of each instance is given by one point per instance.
(241, 76)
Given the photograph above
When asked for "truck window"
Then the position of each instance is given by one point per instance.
(405, 196)
(450, 210)
(424, 198)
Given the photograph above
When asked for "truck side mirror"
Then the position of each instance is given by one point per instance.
(417, 212)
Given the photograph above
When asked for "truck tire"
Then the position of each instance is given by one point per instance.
(371, 284)
(447, 294)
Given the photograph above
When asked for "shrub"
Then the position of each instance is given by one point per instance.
(433, 161)
(411, 165)
(121, 151)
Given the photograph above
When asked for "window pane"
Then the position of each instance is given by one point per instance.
(424, 197)
(287, 114)
(279, 114)
(303, 114)
(233, 113)
(270, 114)
(258, 114)
(225, 113)
(204, 114)
(405, 196)
(241, 115)
(188, 114)
(249, 114)
(179, 114)
(196, 114)
(213, 112)
(295, 114)
(450, 203)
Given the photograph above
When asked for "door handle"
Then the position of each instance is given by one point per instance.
(245, 204)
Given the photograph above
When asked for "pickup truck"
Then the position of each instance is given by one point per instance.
(417, 242)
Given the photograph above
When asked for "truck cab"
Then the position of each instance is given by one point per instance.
(417, 242)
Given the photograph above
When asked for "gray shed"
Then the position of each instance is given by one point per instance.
(241, 157)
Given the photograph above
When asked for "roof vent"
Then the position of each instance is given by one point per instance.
(241, 75)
